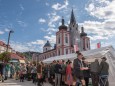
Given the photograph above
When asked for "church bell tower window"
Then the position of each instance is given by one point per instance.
(59, 39)
(66, 38)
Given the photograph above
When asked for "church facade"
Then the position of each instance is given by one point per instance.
(66, 38)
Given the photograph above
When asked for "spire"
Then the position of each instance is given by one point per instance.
(72, 19)
(82, 29)
(62, 20)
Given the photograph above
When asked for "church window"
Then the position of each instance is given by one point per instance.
(66, 51)
(66, 38)
(73, 25)
(70, 28)
(59, 52)
(59, 39)
(87, 44)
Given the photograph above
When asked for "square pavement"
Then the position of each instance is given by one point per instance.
(12, 82)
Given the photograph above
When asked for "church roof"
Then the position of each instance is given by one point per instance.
(47, 44)
(62, 26)
(82, 32)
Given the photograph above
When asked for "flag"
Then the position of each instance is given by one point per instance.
(98, 45)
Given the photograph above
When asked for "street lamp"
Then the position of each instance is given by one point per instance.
(11, 31)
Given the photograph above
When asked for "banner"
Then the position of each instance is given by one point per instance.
(76, 47)
(99, 45)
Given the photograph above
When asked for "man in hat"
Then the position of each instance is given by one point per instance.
(104, 72)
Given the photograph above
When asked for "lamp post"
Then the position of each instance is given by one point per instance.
(11, 31)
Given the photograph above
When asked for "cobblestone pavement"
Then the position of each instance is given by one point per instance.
(12, 82)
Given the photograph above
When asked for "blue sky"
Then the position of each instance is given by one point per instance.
(36, 21)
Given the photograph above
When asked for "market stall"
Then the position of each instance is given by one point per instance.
(90, 56)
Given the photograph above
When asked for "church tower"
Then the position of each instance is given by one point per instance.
(74, 32)
(47, 46)
(63, 40)
(85, 40)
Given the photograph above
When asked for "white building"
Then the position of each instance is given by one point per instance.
(3, 47)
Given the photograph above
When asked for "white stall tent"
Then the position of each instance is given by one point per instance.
(90, 56)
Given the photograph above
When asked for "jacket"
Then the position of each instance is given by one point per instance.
(76, 70)
(94, 67)
(104, 68)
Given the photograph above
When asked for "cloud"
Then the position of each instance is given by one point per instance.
(51, 38)
(104, 27)
(38, 42)
(41, 20)
(54, 18)
(59, 6)
(1, 32)
(47, 4)
(21, 6)
(7, 30)
(29, 46)
(52, 29)
(22, 24)
(100, 30)
(102, 9)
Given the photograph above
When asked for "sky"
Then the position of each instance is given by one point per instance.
(36, 21)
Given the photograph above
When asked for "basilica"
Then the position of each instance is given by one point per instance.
(66, 38)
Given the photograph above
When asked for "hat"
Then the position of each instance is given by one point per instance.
(104, 58)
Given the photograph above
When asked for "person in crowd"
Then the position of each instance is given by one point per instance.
(22, 72)
(39, 74)
(104, 72)
(58, 70)
(6, 70)
(34, 72)
(12, 71)
(17, 68)
(69, 74)
(86, 72)
(94, 69)
(1, 73)
(46, 72)
(29, 68)
(63, 72)
(52, 72)
(78, 69)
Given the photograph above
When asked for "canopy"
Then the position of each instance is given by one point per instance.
(22, 61)
(13, 60)
(90, 55)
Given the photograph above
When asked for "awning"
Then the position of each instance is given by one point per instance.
(13, 61)
(22, 61)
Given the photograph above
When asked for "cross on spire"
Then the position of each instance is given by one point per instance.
(62, 20)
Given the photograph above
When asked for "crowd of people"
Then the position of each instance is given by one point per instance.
(64, 73)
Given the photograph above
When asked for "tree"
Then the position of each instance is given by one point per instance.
(5, 56)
